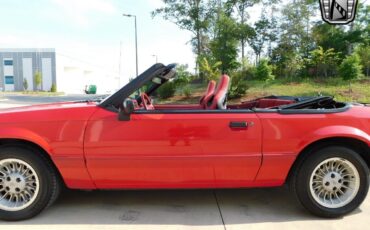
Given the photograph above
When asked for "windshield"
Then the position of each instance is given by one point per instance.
(145, 88)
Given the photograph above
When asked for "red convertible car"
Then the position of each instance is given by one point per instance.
(319, 146)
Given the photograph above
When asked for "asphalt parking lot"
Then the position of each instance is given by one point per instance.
(269, 208)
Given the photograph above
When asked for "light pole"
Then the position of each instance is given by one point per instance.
(137, 65)
(156, 58)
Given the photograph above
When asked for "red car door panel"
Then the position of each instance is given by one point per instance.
(172, 150)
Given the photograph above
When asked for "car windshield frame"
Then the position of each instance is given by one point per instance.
(157, 70)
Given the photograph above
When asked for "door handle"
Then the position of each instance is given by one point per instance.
(238, 124)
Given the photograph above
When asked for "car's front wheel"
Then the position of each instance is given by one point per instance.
(332, 181)
(28, 183)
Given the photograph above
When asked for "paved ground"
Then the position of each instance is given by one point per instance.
(187, 209)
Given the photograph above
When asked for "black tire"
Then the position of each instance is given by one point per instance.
(300, 183)
(49, 182)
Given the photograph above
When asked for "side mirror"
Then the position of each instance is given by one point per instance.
(125, 110)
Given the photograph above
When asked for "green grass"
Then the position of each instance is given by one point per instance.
(358, 91)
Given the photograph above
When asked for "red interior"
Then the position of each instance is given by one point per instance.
(259, 103)
(187, 106)
(214, 96)
(220, 93)
(263, 103)
(209, 93)
(268, 103)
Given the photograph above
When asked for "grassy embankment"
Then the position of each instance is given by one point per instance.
(357, 91)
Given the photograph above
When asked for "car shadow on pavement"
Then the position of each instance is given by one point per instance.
(174, 207)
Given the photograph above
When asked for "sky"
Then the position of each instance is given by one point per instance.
(94, 31)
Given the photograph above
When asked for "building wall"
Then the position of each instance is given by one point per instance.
(33, 60)
(28, 72)
(70, 75)
(8, 73)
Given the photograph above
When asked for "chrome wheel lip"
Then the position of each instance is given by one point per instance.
(330, 183)
(8, 205)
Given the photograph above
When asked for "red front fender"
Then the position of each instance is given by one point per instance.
(26, 135)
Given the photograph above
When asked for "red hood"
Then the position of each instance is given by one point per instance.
(48, 112)
(42, 107)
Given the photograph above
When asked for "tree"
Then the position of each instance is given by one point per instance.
(293, 38)
(245, 31)
(323, 60)
(337, 37)
(238, 86)
(351, 68)
(25, 84)
(182, 79)
(224, 45)
(167, 90)
(287, 61)
(38, 79)
(295, 25)
(263, 33)
(182, 75)
(264, 71)
(248, 70)
(362, 22)
(212, 72)
(191, 15)
(363, 52)
(294, 66)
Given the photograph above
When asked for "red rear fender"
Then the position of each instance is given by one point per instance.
(331, 132)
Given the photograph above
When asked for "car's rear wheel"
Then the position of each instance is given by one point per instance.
(28, 183)
(332, 181)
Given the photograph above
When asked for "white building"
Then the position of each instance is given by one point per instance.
(68, 74)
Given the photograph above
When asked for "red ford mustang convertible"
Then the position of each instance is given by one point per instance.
(319, 146)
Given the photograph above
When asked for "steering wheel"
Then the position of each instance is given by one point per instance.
(146, 102)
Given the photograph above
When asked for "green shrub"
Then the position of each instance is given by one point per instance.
(53, 88)
(248, 70)
(25, 84)
(350, 68)
(186, 91)
(239, 85)
(167, 90)
(264, 71)
(183, 76)
(38, 79)
(364, 54)
(211, 70)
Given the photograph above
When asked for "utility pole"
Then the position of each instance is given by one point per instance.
(156, 58)
(119, 64)
(137, 58)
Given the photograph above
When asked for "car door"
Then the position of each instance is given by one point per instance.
(173, 149)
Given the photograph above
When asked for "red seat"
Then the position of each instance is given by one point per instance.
(209, 93)
(218, 99)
